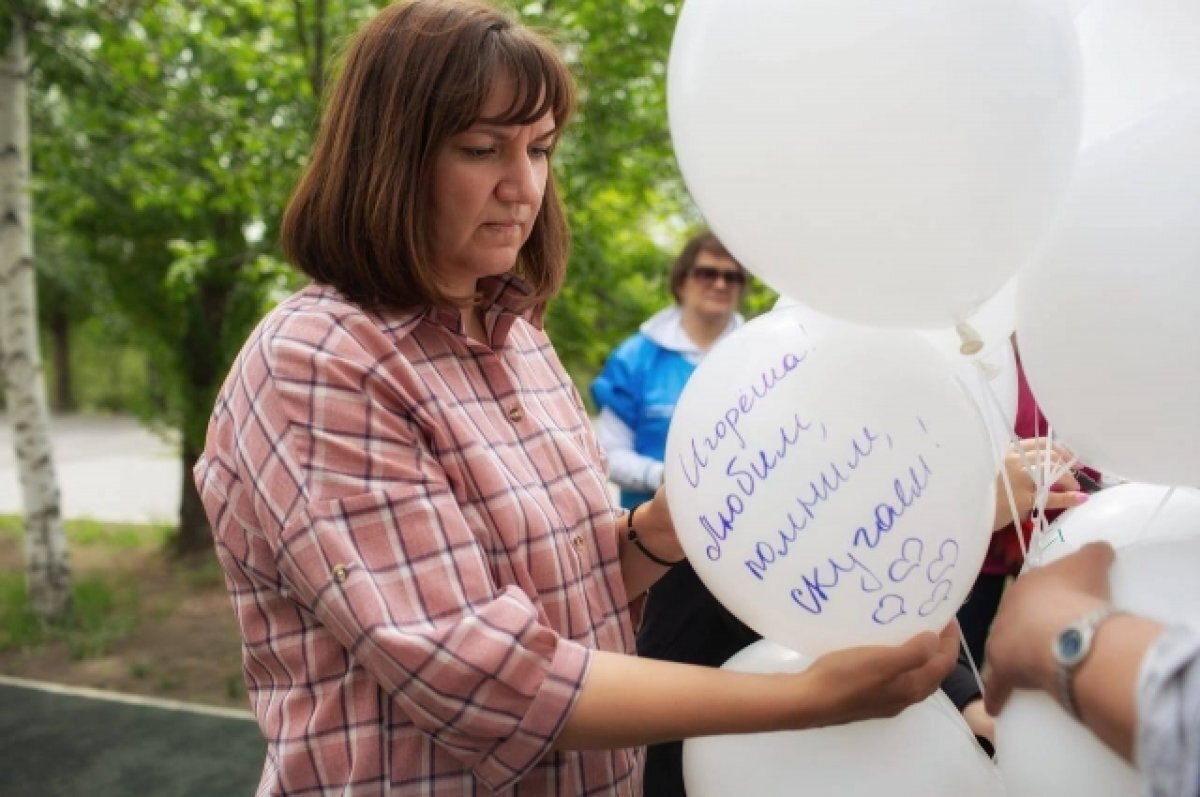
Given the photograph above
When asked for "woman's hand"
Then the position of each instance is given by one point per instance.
(876, 681)
(1026, 463)
(628, 701)
(981, 723)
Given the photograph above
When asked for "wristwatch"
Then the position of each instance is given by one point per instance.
(1071, 648)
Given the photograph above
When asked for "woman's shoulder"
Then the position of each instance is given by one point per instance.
(317, 325)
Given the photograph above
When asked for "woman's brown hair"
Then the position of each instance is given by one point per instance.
(415, 75)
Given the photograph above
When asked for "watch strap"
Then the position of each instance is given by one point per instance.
(1086, 626)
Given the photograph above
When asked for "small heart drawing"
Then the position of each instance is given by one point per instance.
(890, 608)
(947, 558)
(940, 591)
(910, 559)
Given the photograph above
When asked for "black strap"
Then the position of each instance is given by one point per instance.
(633, 537)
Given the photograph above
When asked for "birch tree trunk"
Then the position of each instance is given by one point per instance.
(47, 566)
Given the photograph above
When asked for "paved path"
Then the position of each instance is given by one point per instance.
(67, 742)
(108, 469)
(63, 742)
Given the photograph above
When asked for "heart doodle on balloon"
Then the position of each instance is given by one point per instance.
(910, 559)
(941, 591)
(947, 558)
(890, 608)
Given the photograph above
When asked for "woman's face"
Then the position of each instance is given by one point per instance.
(713, 286)
(488, 186)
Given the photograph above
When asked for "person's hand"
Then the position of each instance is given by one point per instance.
(881, 681)
(981, 723)
(1025, 461)
(1040, 604)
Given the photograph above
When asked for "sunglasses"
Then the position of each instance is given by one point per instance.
(709, 275)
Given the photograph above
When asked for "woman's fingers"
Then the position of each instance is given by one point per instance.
(1065, 500)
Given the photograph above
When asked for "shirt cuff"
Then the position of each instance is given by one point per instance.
(542, 723)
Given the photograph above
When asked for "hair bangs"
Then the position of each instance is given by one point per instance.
(541, 83)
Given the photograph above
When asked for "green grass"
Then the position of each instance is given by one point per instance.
(124, 536)
(103, 611)
(104, 607)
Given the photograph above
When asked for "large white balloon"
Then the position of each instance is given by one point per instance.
(1108, 317)
(1137, 55)
(925, 751)
(830, 491)
(889, 163)
(1040, 750)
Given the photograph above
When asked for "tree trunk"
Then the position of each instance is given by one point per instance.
(204, 369)
(60, 338)
(195, 534)
(48, 570)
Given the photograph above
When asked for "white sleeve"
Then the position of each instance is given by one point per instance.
(1167, 748)
(626, 467)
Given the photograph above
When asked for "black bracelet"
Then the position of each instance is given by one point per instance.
(633, 537)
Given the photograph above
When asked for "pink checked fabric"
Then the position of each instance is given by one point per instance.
(420, 551)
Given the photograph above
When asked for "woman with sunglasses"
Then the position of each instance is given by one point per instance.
(643, 378)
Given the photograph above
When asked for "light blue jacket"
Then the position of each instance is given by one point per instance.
(638, 390)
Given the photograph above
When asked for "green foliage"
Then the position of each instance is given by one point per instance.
(104, 610)
(167, 136)
(111, 372)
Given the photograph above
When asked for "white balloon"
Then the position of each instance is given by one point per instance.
(832, 490)
(1108, 317)
(1042, 752)
(925, 751)
(1122, 516)
(891, 163)
(990, 374)
(1137, 55)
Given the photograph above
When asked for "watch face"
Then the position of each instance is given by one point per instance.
(1070, 644)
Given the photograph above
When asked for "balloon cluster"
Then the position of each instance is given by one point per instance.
(918, 179)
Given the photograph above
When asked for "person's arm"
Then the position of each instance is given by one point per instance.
(656, 532)
(627, 468)
(618, 393)
(1040, 605)
(629, 701)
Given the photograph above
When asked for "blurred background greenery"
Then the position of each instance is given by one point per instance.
(167, 135)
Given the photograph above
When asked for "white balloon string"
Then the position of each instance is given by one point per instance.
(1014, 443)
(1154, 515)
(970, 660)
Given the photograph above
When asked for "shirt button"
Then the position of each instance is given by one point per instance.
(577, 542)
(515, 413)
(339, 574)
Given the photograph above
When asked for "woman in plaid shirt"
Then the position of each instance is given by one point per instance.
(407, 500)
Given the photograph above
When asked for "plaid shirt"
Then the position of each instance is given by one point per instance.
(420, 550)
